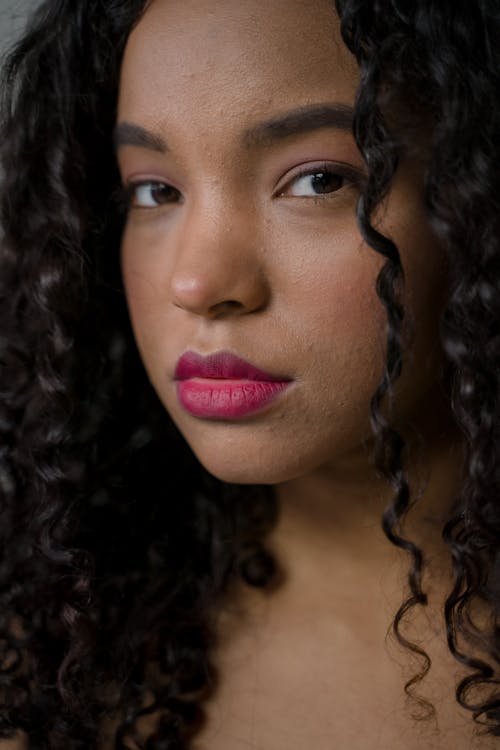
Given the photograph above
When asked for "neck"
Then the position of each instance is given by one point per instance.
(330, 520)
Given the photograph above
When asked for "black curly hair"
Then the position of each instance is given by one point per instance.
(111, 569)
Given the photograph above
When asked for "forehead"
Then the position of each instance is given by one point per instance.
(208, 60)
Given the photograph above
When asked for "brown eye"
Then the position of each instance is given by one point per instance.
(152, 194)
(312, 184)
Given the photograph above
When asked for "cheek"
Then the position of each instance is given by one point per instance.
(336, 310)
(354, 339)
(145, 294)
(334, 316)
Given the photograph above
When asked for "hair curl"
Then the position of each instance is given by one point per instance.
(111, 570)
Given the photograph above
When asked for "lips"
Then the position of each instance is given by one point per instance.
(220, 365)
(224, 386)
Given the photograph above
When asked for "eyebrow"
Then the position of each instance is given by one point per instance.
(129, 134)
(296, 122)
(299, 121)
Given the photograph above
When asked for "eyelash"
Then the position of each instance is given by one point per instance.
(125, 194)
(347, 175)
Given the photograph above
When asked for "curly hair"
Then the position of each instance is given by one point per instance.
(436, 66)
(111, 569)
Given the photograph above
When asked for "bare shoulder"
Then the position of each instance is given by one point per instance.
(19, 742)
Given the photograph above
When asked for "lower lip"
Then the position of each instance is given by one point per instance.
(227, 399)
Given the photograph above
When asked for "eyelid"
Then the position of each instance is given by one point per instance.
(131, 186)
(352, 174)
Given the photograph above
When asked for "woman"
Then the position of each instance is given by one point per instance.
(249, 307)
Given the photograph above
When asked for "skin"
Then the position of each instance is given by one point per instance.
(245, 258)
(238, 266)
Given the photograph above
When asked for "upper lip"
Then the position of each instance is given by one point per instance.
(222, 365)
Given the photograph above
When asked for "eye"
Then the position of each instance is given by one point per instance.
(314, 183)
(320, 181)
(151, 194)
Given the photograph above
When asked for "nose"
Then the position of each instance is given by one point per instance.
(219, 269)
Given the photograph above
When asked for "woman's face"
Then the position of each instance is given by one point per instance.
(241, 237)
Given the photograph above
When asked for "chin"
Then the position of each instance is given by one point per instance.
(239, 471)
(244, 468)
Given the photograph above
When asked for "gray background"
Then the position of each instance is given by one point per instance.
(12, 19)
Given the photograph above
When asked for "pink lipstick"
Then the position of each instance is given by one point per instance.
(224, 386)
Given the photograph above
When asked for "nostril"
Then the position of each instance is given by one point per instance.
(228, 305)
